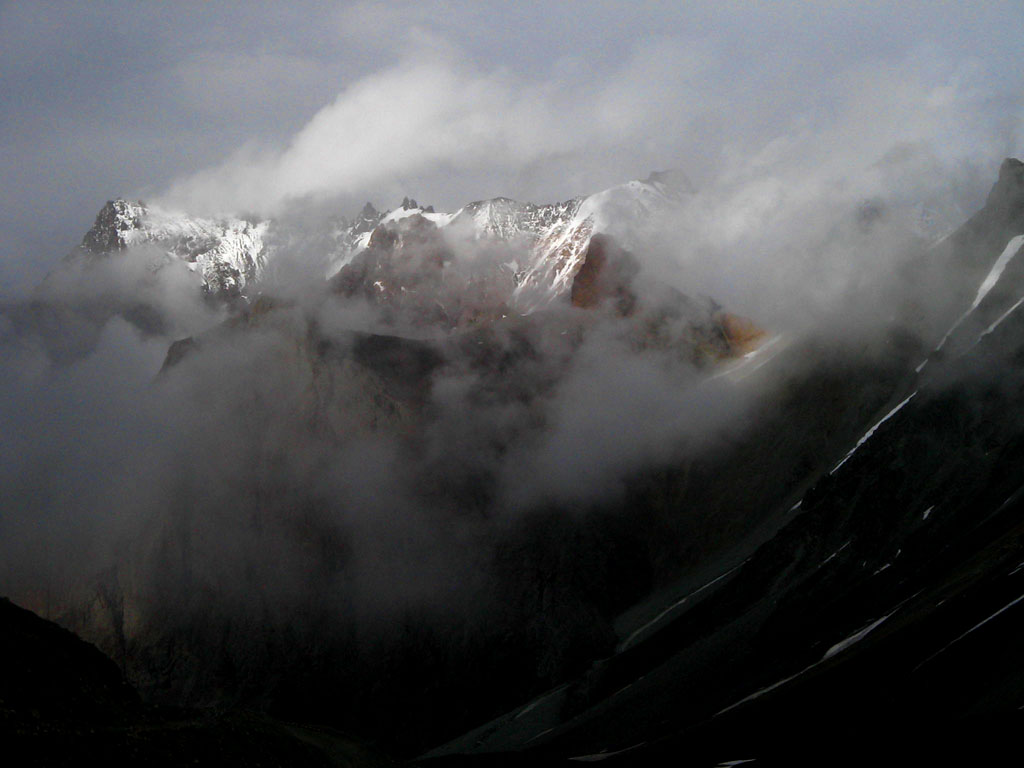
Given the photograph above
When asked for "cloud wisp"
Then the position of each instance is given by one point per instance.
(418, 118)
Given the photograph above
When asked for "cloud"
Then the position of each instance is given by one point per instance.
(222, 84)
(615, 412)
(438, 123)
(421, 117)
(773, 232)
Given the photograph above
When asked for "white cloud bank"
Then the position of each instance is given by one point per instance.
(435, 118)
(419, 117)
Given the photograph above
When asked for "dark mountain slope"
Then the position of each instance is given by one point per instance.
(882, 618)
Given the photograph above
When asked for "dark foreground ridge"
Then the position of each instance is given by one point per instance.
(62, 702)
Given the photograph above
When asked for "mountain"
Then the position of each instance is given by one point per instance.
(489, 494)
(226, 254)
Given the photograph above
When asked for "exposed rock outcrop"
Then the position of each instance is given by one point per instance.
(115, 221)
(742, 334)
(605, 276)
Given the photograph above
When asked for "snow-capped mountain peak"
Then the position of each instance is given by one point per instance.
(226, 253)
(231, 253)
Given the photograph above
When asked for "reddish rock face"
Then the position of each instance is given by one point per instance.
(741, 333)
(665, 319)
(605, 276)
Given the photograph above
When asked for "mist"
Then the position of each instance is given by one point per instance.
(308, 467)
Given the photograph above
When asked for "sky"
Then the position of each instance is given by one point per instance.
(218, 107)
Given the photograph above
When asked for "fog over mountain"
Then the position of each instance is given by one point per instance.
(467, 384)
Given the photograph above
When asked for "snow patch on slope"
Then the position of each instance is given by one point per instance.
(1012, 249)
(856, 637)
(867, 435)
(1000, 319)
(631, 639)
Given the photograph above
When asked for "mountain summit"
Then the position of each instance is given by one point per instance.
(229, 255)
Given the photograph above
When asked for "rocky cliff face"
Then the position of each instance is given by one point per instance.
(115, 226)
(605, 276)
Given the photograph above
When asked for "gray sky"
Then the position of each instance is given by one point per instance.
(220, 106)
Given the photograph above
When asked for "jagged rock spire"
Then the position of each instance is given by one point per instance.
(115, 219)
(1008, 191)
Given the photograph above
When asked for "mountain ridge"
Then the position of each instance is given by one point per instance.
(231, 254)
